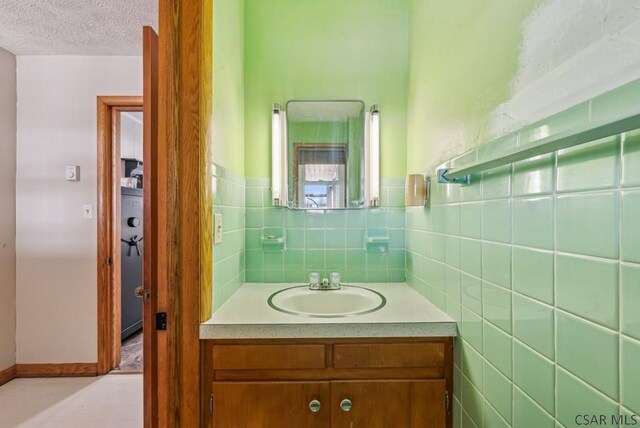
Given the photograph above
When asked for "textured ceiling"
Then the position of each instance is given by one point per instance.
(75, 27)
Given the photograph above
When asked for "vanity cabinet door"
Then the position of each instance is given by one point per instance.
(271, 404)
(383, 404)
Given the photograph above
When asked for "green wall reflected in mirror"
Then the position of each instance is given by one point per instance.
(326, 154)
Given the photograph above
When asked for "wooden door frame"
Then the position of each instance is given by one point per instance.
(109, 227)
(185, 201)
(151, 86)
(184, 205)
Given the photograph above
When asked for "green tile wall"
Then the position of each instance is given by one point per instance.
(539, 262)
(325, 241)
(228, 256)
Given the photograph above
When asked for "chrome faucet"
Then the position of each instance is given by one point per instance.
(325, 284)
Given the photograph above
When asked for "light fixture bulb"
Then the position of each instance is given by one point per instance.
(276, 155)
(374, 157)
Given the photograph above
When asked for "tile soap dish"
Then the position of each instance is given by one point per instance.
(273, 239)
(376, 240)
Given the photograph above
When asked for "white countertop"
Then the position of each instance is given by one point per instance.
(247, 315)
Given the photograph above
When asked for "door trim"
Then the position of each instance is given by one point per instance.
(151, 182)
(108, 212)
(184, 203)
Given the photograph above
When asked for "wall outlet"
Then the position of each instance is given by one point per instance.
(217, 229)
(72, 173)
(87, 211)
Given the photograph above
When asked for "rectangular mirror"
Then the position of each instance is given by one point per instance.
(326, 154)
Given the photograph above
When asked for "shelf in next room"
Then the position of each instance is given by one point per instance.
(246, 315)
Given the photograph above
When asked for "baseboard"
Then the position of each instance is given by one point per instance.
(57, 370)
(7, 374)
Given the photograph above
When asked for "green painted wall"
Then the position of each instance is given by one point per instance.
(330, 49)
(463, 55)
(228, 146)
(228, 85)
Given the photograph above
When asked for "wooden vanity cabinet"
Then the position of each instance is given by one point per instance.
(270, 404)
(350, 383)
(389, 403)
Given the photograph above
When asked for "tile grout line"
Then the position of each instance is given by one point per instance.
(620, 258)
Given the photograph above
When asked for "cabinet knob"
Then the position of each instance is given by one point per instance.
(345, 405)
(314, 406)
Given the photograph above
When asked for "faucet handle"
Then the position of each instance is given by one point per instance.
(314, 279)
(335, 279)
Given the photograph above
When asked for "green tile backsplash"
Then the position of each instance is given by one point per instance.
(589, 352)
(496, 264)
(533, 273)
(527, 412)
(588, 288)
(575, 397)
(630, 296)
(589, 166)
(498, 348)
(587, 223)
(534, 176)
(631, 158)
(630, 374)
(496, 306)
(492, 418)
(470, 257)
(496, 220)
(533, 324)
(533, 222)
(630, 245)
(498, 391)
(229, 256)
(535, 374)
(325, 241)
(543, 259)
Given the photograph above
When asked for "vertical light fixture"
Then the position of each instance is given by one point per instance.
(278, 156)
(374, 156)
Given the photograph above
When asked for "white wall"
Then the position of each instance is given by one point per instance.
(479, 70)
(571, 51)
(56, 247)
(7, 209)
(131, 135)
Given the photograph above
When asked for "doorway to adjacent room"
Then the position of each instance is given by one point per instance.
(120, 237)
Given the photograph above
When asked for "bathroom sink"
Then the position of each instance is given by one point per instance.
(349, 300)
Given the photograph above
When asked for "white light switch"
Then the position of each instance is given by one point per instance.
(217, 228)
(87, 211)
(73, 173)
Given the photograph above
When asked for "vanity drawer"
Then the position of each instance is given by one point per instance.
(247, 357)
(404, 355)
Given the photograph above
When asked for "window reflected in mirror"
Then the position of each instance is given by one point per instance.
(325, 146)
(320, 175)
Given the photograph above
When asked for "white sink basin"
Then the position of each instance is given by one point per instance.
(349, 300)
